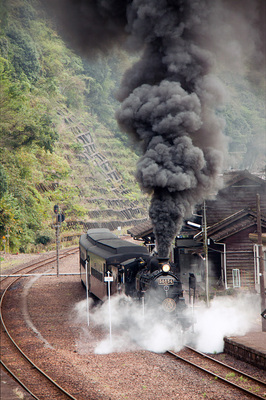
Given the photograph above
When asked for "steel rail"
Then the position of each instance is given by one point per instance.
(258, 381)
(45, 262)
(40, 274)
(18, 380)
(216, 376)
(42, 263)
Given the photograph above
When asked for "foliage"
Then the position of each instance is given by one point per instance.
(48, 95)
(44, 236)
(23, 53)
(3, 182)
(25, 117)
(40, 77)
(245, 127)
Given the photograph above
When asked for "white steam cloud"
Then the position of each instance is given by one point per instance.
(132, 329)
(226, 316)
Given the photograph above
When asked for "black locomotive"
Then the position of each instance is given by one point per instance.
(161, 287)
(134, 272)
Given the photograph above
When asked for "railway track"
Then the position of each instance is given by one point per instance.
(230, 376)
(13, 358)
(73, 387)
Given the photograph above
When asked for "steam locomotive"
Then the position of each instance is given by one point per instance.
(132, 270)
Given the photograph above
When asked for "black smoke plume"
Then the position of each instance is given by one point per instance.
(169, 98)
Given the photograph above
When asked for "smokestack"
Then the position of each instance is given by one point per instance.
(163, 260)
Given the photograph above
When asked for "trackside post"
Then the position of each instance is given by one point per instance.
(109, 279)
(87, 304)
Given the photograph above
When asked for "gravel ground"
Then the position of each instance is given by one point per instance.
(132, 375)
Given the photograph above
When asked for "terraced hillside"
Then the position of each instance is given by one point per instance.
(103, 172)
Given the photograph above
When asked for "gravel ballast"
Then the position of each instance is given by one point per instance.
(70, 357)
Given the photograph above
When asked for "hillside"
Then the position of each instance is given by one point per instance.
(245, 123)
(59, 140)
(60, 143)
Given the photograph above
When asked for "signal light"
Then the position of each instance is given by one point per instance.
(56, 209)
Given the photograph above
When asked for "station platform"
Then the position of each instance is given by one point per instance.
(250, 348)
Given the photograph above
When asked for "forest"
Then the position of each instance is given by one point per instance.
(60, 142)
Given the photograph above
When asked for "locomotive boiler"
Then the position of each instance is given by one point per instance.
(160, 287)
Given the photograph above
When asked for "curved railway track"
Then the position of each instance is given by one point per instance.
(33, 377)
(22, 368)
(230, 376)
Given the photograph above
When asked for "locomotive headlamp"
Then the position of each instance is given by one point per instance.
(166, 268)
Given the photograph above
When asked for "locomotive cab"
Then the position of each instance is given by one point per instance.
(131, 269)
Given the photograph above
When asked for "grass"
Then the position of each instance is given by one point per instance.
(230, 375)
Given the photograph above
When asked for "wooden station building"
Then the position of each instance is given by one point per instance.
(231, 231)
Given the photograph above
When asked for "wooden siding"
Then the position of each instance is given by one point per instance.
(240, 255)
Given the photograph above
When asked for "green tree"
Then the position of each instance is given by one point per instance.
(3, 182)
(23, 53)
(25, 118)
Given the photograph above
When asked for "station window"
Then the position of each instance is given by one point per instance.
(236, 277)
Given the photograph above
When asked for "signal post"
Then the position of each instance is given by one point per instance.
(59, 219)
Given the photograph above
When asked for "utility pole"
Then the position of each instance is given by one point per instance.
(7, 239)
(205, 246)
(261, 263)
